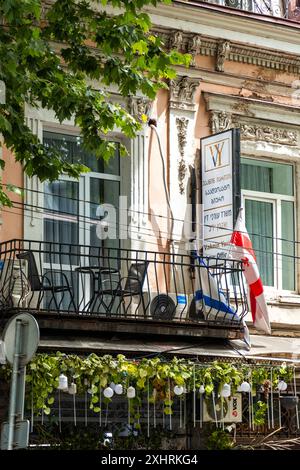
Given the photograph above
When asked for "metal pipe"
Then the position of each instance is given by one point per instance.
(13, 388)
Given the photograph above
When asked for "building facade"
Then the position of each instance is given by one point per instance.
(244, 74)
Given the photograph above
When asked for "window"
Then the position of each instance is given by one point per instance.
(263, 7)
(70, 215)
(71, 205)
(269, 202)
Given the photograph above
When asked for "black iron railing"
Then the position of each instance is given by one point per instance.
(120, 283)
(261, 7)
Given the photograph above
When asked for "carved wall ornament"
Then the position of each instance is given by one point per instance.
(176, 41)
(139, 106)
(220, 121)
(182, 125)
(194, 48)
(182, 93)
(223, 49)
(275, 135)
(241, 53)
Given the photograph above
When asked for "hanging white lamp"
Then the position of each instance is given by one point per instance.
(226, 391)
(178, 390)
(202, 389)
(108, 392)
(119, 389)
(130, 392)
(72, 389)
(245, 387)
(112, 386)
(282, 385)
(62, 382)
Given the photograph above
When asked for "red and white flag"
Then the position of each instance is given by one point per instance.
(242, 249)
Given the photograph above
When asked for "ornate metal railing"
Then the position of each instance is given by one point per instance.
(120, 283)
(262, 7)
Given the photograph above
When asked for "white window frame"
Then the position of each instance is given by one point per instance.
(276, 199)
(83, 188)
(84, 205)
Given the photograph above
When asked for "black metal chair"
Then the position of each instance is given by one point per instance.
(133, 286)
(44, 283)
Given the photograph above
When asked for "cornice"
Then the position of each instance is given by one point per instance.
(260, 32)
(253, 109)
(250, 83)
(200, 29)
(236, 51)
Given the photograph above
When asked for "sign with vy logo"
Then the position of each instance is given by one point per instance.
(220, 162)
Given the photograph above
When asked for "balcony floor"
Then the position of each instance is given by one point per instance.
(93, 325)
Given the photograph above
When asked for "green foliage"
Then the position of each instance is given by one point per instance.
(260, 375)
(154, 377)
(219, 440)
(50, 59)
(81, 437)
(260, 410)
(71, 437)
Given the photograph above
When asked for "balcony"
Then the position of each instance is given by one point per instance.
(94, 289)
(260, 7)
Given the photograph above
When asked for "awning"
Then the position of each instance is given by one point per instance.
(262, 347)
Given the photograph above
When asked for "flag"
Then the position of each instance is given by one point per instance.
(211, 299)
(241, 248)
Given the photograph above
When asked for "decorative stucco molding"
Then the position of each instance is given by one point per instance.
(182, 93)
(176, 41)
(220, 121)
(222, 55)
(182, 125)
(194, 48)
(139, 106)
(275, 135)
(262, 57)
(268, 112)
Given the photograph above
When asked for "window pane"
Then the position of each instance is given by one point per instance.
(61, 231)
(267, 176)
(259, 223)
(105, 192)
(73, 151)
(62, 196)
(288, 245)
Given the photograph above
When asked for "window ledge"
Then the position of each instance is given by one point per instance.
(292, 299)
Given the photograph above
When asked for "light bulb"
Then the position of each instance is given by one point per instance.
(62, 382)
(108, 392)
(245, 387)
(202, 389)
(282, 385)
(130, 392)
(119, 389)
(226, 391)
(178, 390)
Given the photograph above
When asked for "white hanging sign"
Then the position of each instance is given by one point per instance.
(220, 161)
